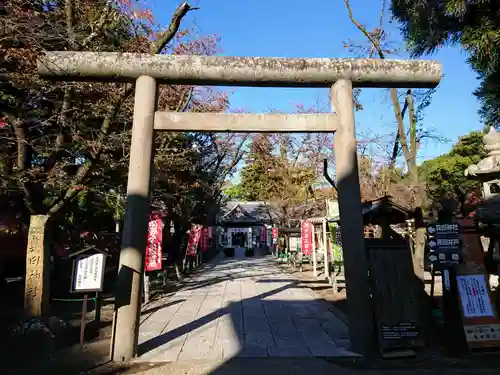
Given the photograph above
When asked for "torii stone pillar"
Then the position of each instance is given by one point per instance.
(135, 232)
(338, 74)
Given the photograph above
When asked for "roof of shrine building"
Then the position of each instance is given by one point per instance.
(246, 212)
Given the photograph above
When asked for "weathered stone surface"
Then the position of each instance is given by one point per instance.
(489, 167)
(245, 122)
(240, 71)
(36, 292)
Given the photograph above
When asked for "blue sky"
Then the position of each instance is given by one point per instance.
(297, 28)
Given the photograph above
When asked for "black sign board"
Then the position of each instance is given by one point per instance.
(444, 243)
(399, 331)
(445, 258)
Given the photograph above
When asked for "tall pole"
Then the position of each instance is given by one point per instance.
(315, 262)
(134, 238)
(325, 248)
(361, 323)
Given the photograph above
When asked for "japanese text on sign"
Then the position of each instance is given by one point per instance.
(89, 273)
(446, 228)
(474, 296)
(154, 246)
(447, 242)
(306, 230)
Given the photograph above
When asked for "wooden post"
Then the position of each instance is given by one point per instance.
(145, 288)
(83, 322)
(361, 322)
(36, 291)
(135, 229)
(325, 246)
(315, 262)
(97, 315)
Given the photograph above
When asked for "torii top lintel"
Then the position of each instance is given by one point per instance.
(239, 71)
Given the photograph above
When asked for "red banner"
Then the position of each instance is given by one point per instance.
(194, 240)
(306, 230)
(153, 249)
(275, 233)
(204, 239)
(263, 234)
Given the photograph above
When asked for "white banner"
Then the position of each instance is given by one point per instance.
(89, 273)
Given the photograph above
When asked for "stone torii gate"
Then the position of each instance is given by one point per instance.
(148, 71)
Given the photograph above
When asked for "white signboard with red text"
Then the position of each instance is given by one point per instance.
(153, 249)
(306, 230)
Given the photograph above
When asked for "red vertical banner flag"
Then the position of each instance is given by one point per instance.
(194, 239)
(263, 234)
(306, 231)
(275, 234)
(204, 239)
(153, 249)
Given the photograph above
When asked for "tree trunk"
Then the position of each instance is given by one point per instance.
(420, 240)
(417, 196)
(37, 284)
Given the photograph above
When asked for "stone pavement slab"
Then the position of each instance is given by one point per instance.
(241, 308)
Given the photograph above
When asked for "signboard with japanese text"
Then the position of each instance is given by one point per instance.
(263, 234)
(444, 243)
(332, 208)
(480, 319)
(89, 273)
(479, 333)
(306, 230)
(154, 246)
(274, 233)
(474, 296)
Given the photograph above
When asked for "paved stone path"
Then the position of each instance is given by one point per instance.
(241, 307)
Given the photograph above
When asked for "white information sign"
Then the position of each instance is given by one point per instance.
(474, 296)
(89, 273)
(483, 332)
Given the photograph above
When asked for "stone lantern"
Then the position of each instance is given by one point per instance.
(487, 171)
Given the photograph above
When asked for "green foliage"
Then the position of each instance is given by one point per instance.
(234, 192)
(445, 174)
(430, 24)
(257, 179)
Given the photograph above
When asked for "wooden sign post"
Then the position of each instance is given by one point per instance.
(87, 277)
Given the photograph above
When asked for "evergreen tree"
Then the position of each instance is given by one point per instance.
(475, 24)
(445, 176)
